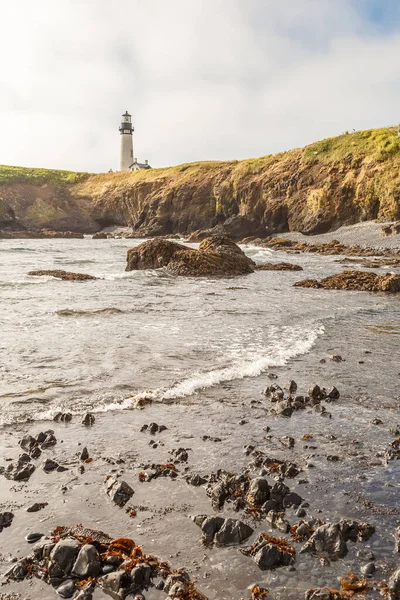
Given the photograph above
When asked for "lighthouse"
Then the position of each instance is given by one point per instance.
(126, 130)
(127, 162)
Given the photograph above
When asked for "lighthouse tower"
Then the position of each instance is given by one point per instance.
(126, 130)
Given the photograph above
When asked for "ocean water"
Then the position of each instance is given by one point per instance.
(202, 349)
(97, 345)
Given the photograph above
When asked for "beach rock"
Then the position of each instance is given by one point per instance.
(232, 532)
(282, 266)
(394, 583)
(6, 518)
(180, 455)
(327, 539)
(35, 452)
(277, 521)
(224, 532)
(51, 465)
(291, 499)
(21, 471)
(287, 441)
(291, 387)
(19, 570)
(88, 563)
(153, 428)
(368, 569)
(336, 358)
(42, 549)
(119, 491)
(67, 589)
(64, 275)
(323, 594)
(61, 417)
(37, 506)
(101, 235)
(259, 492)
(333, 393)
(117, 584)
(177, 584)
(34, 537)
(46, 439)
(355, 531)
(141, 576)
(217, 256)
(28, 442)
(355, 280)
(209, 526)
(270, 553)
(84, 454)
(196, 480)
(88, 420)
(64, 555)
(315, 392)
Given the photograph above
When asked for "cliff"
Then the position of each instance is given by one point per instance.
(341, 180)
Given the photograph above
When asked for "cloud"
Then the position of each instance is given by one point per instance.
(212, 79)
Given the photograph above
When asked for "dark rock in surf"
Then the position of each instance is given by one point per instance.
(64, 275)
(356, 281)
(282, 266)
(88, 420)
(217, 256)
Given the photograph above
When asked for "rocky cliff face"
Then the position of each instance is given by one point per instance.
(338, 181)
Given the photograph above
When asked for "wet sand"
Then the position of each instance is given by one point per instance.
(358, 485)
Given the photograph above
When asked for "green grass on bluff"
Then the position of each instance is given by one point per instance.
(380, 144)
(377, 144)
(11, 175)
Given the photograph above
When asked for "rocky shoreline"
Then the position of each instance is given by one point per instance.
(286, 493)
(233, 507)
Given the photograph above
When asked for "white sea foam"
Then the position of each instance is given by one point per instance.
(286, 343)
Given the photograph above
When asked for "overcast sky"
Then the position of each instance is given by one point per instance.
(203, 79)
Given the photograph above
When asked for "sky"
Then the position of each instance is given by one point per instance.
(203, 79)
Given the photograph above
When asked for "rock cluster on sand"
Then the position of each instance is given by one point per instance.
(285, 402)
(355, 280)
(65, 275)
(76, 560)
(217, 256)
(33, 447)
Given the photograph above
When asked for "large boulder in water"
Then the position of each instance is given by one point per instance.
(217, 256)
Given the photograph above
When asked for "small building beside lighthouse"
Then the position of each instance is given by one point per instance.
(127, 160)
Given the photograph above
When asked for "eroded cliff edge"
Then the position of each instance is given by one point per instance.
(338, 181)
